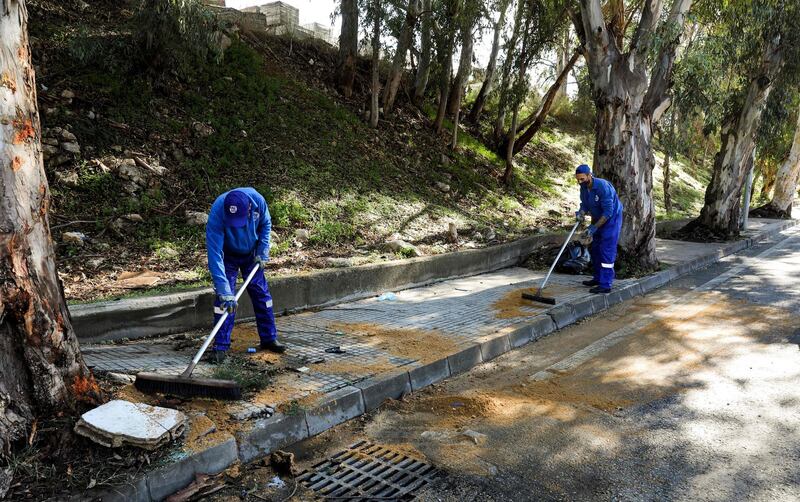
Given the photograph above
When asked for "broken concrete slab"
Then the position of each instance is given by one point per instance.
(119, 423)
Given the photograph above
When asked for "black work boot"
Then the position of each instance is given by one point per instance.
(591, 282)
(273, 346)
(216, 357)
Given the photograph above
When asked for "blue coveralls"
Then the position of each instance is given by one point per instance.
(231, 250)
(601, 200)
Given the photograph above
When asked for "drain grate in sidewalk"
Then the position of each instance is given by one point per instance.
(369, 471)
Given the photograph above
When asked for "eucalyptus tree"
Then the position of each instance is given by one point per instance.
(41, 370)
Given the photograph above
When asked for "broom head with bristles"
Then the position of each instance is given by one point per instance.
(187, 386)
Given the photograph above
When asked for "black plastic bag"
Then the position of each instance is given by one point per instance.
(575, 260)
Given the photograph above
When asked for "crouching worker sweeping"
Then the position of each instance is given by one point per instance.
(599, 200)
(237, 238)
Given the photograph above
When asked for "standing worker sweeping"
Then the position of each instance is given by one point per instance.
(237, 238)
(599, 200)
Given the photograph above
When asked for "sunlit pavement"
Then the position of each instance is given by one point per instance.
(689, 393)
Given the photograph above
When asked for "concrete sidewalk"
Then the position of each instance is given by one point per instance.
(390, 347)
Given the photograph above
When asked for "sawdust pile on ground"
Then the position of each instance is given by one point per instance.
(422, 345)
(349, 367)
(512, 304)
(203, 433)
(454, 411)
(283, 389)
(245, 336)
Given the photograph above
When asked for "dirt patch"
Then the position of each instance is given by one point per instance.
(512, 304)
(345, 367)
(203, 433)
(285, 388)
(419, 344)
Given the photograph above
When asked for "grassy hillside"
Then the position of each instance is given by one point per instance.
(267, 117)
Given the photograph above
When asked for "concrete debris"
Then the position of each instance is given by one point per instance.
(302, 235)
(202, 130)
(74, 238)
(120, 378)
(71, 147)
(403, 247)
(196, 218)
(119, 423)
(67, 178)
(251, 411)
(476, 437)
(339, 262)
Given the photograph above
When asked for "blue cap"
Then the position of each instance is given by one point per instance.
(237, 205)
(583, 169)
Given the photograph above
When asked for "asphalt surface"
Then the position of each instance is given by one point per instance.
(690, 393)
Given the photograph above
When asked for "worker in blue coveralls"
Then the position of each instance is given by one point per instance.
(599, 200)
(237, 238)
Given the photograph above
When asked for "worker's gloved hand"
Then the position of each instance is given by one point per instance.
(227, 303)
(590, 231)
(579, 215)
(262, 261)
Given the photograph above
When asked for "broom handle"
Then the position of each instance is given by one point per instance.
(219, 324)
(557, 257)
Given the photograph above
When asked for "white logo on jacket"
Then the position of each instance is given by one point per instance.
(256, 215)
(233, 209)
(597, 198)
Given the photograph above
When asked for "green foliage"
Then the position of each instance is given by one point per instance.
(176, 34)
(240, 370)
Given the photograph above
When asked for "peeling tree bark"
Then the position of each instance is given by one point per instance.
(488, 81)
(785, 183)
(720, 214)
(399, 61)
(41, 369)
(630, 99)
(348, 47)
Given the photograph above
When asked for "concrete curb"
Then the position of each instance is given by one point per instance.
(280, 430)
(177, 312)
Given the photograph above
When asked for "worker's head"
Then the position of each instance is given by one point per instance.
(237, 207)
(583, 174)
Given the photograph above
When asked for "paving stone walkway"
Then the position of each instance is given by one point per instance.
(462, 310)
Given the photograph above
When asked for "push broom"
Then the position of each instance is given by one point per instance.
(538, 296)
(184, 384)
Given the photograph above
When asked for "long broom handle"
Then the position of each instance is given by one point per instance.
(219, 324)
(544, 282)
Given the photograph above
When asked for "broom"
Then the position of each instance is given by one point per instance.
(184, 384)
(538, 296)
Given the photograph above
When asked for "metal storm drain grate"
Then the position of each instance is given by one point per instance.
(368, 471)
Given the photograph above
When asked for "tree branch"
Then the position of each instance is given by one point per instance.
(656, 101)
(601, 50)
(651, 13)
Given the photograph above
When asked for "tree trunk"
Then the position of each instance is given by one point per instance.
(720, 214)
(786, 182)
(768, 172)
(399, 61)
(424, 68)
(630, 99)
(348, 47)
(488, 81)
(505, 81)
(445, 55)
(376, 61)
(41, 369)
(565, 55)
(464, 69)
(537, 119)
(668, 153)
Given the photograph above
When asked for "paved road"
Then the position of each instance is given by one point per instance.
(690, 393)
